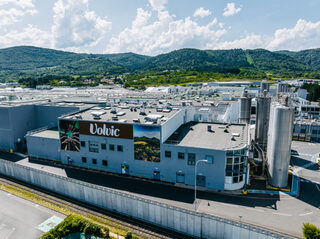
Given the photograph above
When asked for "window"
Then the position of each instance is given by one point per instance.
(180, 155)
(94, 161)
(84, 159)
(111, 147)
(235, 179)
(191, 159)
(104, 162)
(229, 160)
(209, 158)
(103, 146)
(93, 146)
(303, 131)
(83, 143)
(167, 154)
(241, 178)
(120, 148)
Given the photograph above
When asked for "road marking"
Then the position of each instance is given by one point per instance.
(9, 194)
(229, 205)
(282, 214)
(255, 209)
(305, 214)
(9, 234)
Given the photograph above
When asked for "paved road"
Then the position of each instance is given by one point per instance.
(19, 218)
(304, 162)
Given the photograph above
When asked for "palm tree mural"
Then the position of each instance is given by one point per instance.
(69, 135)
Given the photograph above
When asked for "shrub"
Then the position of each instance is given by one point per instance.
(310, 231)
(128, 235)
(74, 223)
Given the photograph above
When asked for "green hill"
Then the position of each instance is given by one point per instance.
(28, 61)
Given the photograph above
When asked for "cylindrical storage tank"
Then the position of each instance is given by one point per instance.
(279, 145)
(282, 87)
(262, 121)
(264, 86)
(245, 110)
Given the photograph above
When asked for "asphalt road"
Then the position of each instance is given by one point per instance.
(304, 161)
(20, 218)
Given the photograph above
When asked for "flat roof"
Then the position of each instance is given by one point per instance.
(52, 134)
(123, 114)
(197, 135)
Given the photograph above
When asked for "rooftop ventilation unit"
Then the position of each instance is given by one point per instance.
(113, 111)
(233, 138)
(115, 118)
(97, 114)
(136, 120)
(121, 113)
(226, 131)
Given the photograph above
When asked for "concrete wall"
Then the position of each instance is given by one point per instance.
(172, 124)
(5, 128)
(178, 219)
(47, 115)
(46, 148)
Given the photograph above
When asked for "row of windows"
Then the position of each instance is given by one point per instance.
(191, 157)
(94, 161)
(94, 146)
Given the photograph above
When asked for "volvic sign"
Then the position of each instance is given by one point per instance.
(122, 131)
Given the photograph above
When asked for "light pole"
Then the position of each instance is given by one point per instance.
(195, 182)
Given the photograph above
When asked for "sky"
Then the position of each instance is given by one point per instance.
(152, 27)
(148, 131)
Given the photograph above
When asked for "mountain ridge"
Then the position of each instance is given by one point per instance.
(29, 61)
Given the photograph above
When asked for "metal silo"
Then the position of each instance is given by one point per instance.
(282, 87)
(279, 144)
(245, 109)
(262, 120)
(264, 86)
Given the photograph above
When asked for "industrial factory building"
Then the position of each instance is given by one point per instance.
(179, 139)
(148, 143)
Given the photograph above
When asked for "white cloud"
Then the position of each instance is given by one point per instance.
(75, 26)
(158, 5)
(201, 12)
(231, 10)
(305, 34)
(18, 3)
(164, 34)
(12, 11)
(251, 41)
(30, 35)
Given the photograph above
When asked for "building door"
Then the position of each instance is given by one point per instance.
(156, 174)
(180, 177)
(124, 168)
(201, 180)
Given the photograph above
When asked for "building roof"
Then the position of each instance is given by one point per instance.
(52, 134)
(197, 135)
(124, 114)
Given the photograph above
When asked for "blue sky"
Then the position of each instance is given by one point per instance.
(158, 26)
(149, 131)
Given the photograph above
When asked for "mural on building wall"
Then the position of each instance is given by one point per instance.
(69, 135)
(146, 143)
